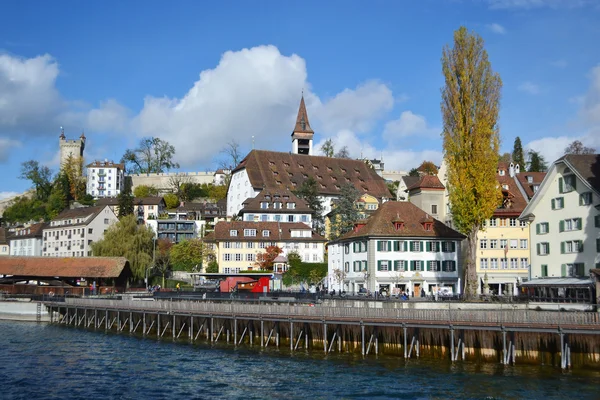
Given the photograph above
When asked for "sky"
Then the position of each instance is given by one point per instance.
(200, 74)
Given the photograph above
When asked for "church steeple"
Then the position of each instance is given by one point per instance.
(302, 135)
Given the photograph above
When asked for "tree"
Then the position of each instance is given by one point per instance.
(188, 255)
(162, 258)
(233, 155)
(176, 182)
(40, 176)
(517, 154)
(171, 201)
(212, 267)
(505, 158)
(73, 170)
(153, 155)
(264, 261)
(428, 168)
(578, 148)
(309, 192)
(537, 163)
(327, 148)
(145, 191)
(59, 197)
(343, 153)
(393, 188)
(470, 105)
(216, 193)
(128, 239)
(414, 172)
(125, 200)
(191, 191)
(24, 209)
(345, 213)
(339, 275)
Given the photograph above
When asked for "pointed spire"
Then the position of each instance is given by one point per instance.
(302, 124)
(62, 132)
(82, 135)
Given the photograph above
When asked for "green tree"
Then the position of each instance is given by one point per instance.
(145, 191)
(128, 239)
(309, 192)
(125, 200)
(153, 155)
(470, 105)
(517, 154)
(40, 177)
(327, 148)
(393, 188)
(428, 168)
(537, 163)
(216, 193)
(576, 147)
(345, 213)
(212, 267)
(73, 170)
(171, 201)
(414, 172)
(505, 158)
(24, 209)
(191, 191)
(162, 258)
(187, 255)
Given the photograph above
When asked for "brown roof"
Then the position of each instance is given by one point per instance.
(81, 212)
(283, 196)
(277, 170)
(76, 267)
(105, 164)
(587, 166)
(513, 201)
(381, 223)
(302, 124)
(32, 231)
(427, 182)
(3, 236)
(278, 231)
(537, 178)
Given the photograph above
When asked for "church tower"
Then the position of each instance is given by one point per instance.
(72, 147)
(302, 136)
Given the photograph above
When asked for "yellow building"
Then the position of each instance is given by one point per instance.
(236, 244)
(503, 246)
(366, 205)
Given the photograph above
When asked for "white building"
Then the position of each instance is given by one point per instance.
(27, 241)
(400, 247)
(278, 206)
(72, 232)
(105, 179)
(565, 219)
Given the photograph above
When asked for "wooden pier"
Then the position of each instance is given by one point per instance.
(504, 335)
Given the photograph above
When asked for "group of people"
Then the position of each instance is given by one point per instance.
(155, 288)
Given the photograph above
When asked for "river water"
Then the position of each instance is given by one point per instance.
(41, 361)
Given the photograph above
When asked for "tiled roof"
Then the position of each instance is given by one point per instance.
(81, 212)
(32, 231)
(537, 178)
(278, 231)
(587, 166)
(302, 124)
(381, 223)
(283, 196)
(76, 267)
(513, 201)
(427, 182)
(277, 170)
(105, 164)
(3, 236)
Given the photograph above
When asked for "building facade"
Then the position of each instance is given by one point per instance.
(4, 247)
(177, 230)
(27, 241)
(276, 205)
(399, 248)
(236, 244)
(105, 179)
(70, 147)
(72, 232)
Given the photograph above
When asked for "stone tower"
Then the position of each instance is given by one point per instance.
(302, 136)
(73, 147)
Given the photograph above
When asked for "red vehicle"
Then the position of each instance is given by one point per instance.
(226, 283)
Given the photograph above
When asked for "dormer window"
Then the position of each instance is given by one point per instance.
(291, 206)
(501, 172)
(267, 197)
(315, 168)
(301, 166)
(233, 232)
(266, 233)
(529, 179)
(398, 225)
(535, 188)
(427, 226)
(287, 165)
(277, 205)
(505, 187)
(264, 205)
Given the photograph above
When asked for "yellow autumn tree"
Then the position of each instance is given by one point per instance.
(470, 105)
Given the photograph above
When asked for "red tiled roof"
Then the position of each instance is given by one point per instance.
(278, 231)
(427, 182)
(276, 170)
(302, 124)
(538, 177)
(76, 267)
(252, 204)
(381, 223)
(81, 212)
(513, 201)
(32, 231)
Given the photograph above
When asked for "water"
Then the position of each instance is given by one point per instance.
(39, 361)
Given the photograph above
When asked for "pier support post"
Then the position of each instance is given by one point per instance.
(362, 339)
(130, 321)
(504, 357)
(235, 331)
(325, 337)
(262, 333)
(452, 355)
(106, 320)
(158, 325)
(405, 331)
(291, 335)
(191, 328)
(212, 329)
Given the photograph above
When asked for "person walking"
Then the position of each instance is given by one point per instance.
(177, 287)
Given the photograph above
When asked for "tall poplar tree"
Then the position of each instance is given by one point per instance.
(470, 105)
(517, 154)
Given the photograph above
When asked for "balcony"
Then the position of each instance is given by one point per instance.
(101, 173)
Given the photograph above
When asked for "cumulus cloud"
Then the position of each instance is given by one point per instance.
(109, 117)
(496, 28)
(409, 124)
(591, 102)
(529, 87)
(6, 145)
(531, 4)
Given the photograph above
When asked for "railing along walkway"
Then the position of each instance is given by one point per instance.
(449, 316)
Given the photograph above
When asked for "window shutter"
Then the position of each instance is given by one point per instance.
(412, 265)
(378, 245)
(578, 224)
(562, 247)
(428, 245)
(453, 247)
(598, 245)
(581, 199)
(379, 265)
(553, 202)
(574, 183)
(538, 248)
(412, 246)
(548, 247)
(437, 247)
(396, 245)
(405, 245)
(580, 246)
(561, 225)
(389, 247)
(354, 247)
(580, 269)
(597, 221)
(560, 185)
(537, 228)
(563, 270)
(437, 265)
(421, 247)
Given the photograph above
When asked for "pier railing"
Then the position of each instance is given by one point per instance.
(450, 315)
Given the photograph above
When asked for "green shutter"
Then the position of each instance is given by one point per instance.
(389, 246)
(580, 268)
(412, 246)
(438, 265)
(562, 247)
(412, 265)
(538, 248)
(405, 245)
(453, 266)
(561, 226)
(581, 199)
(580, 246)
(396, 245)
(563, 270)
(553, 202)
(597, 221)
(560, 185)
(578, 224)
(354, 247)
(537, 229)
(428, 246)
(428, 266)
(378, 245)
(379, 265)
(453, 247)
(544, 270)
(598, 245)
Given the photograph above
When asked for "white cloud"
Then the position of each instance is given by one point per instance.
(8, 195)
(6, 145)
(531, 4)
(529, 87)
(409, 124)
(496, 28)
(591, 102)
(551, 148)
(109, 117)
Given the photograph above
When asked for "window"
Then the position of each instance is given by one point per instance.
(277, 205)
(106, 221)
(543, 248)
(503, 243)
(399, 265)
(513, 222)
(502, 221)
(523, 243)
(415, 246)
(250, 232)
(347, 248)
(383, 265)
(304, 218)
(514, 263)
(524, 263)
(585, 199)
(503, 263)
(356, 266)
(264, 217)
(347, 266)
(558, 203)
(571, 246)
(572, 270)
(484, 263)
(226, 257)
(416, 265)
(544, 270)
(90, 230)
(493, 223)
(384, 245)
(567, 183)
(514, 243)
(493, 243)
(448, 247)
(523, 223)
(264, 205)
(290, 218)
(433, 266)
(238, 257)
(542, 228)
(238, 245)
(434, 209)
(493, 263)
(266, 233)
(449, 266)
(291, 206)
(571, 224)
(233, 232)
(227, 245)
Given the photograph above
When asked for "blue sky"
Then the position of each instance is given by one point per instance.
(199, 74)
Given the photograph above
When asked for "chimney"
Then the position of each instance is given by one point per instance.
(511, 170)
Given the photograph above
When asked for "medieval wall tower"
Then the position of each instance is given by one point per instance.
(70, 147)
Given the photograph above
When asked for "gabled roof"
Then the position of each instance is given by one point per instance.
(278, 231)
(105, 164)
(426, 182)
(81, 212)
(537, 178)
(302, 124)
(276, 170)
(381, 223)
(513, 201)
(283, 196)
(33, 231)
(76, 267)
